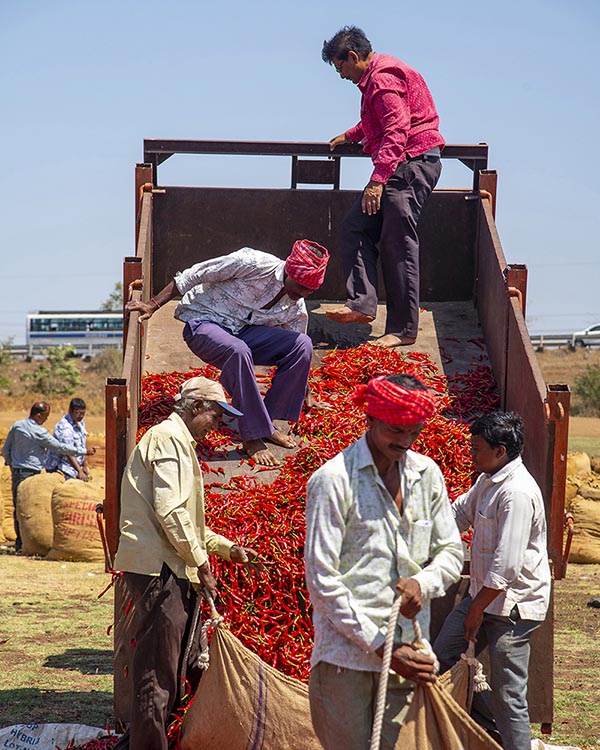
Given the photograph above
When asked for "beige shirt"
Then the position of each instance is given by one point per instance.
(162, 506)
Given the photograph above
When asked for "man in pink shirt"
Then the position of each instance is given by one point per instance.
(398, 128)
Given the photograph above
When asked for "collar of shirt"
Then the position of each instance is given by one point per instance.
(364, 81)
(183, 428)
(411, 466)
(75, 425)
(505, 471)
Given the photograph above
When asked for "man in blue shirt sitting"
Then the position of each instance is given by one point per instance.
(25, 449)
(70, 430)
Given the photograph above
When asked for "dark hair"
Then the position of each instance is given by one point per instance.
(77, 403)
(410, 382)
(348, 39)
(501, 428)
(40, 407)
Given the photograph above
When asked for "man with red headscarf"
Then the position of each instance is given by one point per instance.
(378, 521)
(245, 309)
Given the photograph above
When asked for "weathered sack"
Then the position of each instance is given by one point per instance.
(435, 720)
(7, 530)
(585, 547)
(34, 512)
(242, 703)
(76, 535)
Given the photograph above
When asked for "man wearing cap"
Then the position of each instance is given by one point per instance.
(378, 521)
(245, 309)
(163, 554)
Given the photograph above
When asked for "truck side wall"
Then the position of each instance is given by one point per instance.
(195, 224)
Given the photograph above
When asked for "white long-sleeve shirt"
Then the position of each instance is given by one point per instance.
(506, 511)
(358, 545)
(232, 291)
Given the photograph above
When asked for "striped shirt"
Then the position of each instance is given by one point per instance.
(507, 513)
(358, 545)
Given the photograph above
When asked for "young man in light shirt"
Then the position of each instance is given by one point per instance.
(378, 519)
(510, 575)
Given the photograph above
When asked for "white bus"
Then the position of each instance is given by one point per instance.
(86, 331)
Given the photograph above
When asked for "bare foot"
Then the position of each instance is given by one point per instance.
(278, 438)
(259, 453)
(390, 340)
(346, 315)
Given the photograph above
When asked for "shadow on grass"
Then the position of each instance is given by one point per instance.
(35, 706)
(84, 660)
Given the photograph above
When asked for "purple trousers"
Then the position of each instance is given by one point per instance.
(394, 227)
(236, 355)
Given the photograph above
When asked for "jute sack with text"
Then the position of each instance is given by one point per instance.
(242, 702)
(76, 535)
(34, 511)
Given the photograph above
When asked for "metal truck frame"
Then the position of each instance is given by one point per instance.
(461, 259)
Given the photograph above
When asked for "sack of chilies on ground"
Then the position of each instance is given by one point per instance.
(76, 535)
(50, 736)
(242, 702)
(34, 503)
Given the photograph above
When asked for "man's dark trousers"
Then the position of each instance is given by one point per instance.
(392, 231)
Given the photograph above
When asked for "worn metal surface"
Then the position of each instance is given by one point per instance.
(156, 151)
(462, 259)
(194, 224)
(492, 296)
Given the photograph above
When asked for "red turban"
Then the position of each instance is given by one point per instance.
(394, 404)
(306, 263)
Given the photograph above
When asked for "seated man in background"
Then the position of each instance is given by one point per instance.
(245, 309)
(70, 430)
(25, 449)
(509, 590)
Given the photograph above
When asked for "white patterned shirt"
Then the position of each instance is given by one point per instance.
(506, 511)
(233, 289)
(358, 545)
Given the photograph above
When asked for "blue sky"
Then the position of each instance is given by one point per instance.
(82, 84)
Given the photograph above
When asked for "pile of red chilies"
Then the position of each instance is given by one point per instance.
(272, 615)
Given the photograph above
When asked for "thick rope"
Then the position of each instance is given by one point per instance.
(422, 646)
(204, 657)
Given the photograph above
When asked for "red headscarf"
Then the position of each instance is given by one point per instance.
(393, 403)
(305, 266)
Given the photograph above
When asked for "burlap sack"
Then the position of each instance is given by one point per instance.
(590, 488)
(34, 504)
(76, 535)
(435, 720)
(8, 525)
(2, 537)
(595, 464)
(578, 463)
(585, 547)
(243, 702)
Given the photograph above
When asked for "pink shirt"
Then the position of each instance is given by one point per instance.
(397, 115)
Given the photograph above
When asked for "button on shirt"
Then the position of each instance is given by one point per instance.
(397, 115)
(232, 292)
(358, 545)
(27, 443)
(508, 551)
(72, 434)
(162, 506)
